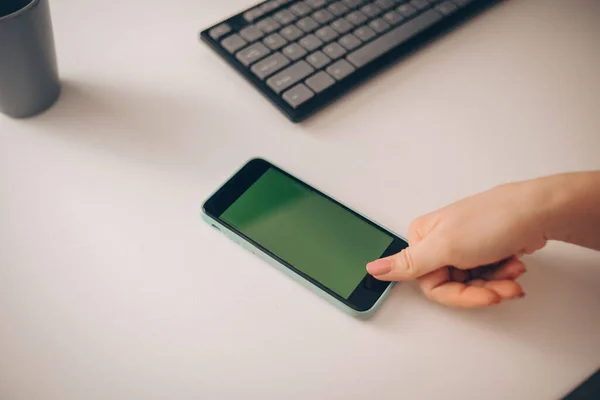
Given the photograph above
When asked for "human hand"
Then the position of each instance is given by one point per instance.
(468, 253)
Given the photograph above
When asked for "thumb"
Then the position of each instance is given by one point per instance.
(411, 263)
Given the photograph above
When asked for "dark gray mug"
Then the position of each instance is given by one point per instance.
(29, 81)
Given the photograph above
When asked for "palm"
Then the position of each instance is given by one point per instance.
(477, 287)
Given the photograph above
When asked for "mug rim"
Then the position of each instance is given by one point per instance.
(20, 11)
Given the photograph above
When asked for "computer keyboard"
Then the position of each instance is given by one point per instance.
(302, 55)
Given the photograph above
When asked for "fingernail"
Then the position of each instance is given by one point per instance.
(523, 269)
(379, 267)
(519, 296)
(519, 272)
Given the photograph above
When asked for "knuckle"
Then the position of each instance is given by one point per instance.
(429, 295)
(408, 266)
(414, 225)
(423, 226)
(415, 229)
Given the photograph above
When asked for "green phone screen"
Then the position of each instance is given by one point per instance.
(315, 235)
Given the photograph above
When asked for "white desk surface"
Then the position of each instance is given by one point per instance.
(111, 287)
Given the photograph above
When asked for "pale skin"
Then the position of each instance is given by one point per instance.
(468, 254)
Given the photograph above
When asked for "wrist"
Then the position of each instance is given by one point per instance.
(561, 203)
(542, 201)
(551, 201)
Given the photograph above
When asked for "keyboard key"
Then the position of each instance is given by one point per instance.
(301, 9)
(291, 32)
(338, 8)
(334, 50)
(393, 38)
(446, 8)
(393, 17)
(353, 3)
(219, 31)
(268, 25)
(289, 76)
(357, 18)
(406, 10)
(420, 4)
(384, 4)
(253, 15)
(275, 41)
(251, 33)
(316, 3)
(326, 34)
(340, 69)
(269, 6)
(320, 81)
(350, 41)
(310, 42)
(371, 10)
(365, 33)
(341, 25)
(379, 25)
(294, 51)
(285, 17)
(233, 43)
(318, 59)
(270, 65)
(323, 16)
(307, 24)
(252, 53)
(298, 95)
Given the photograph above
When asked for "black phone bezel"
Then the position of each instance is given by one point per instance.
(368, 291)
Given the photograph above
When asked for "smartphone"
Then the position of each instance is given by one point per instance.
(311, 237)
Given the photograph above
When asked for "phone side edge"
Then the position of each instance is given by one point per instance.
(291, 274)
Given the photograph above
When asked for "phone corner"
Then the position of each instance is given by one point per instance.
(209, 220)
(367, 314)
(363, 315)
(203, 210)
(257, 160)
